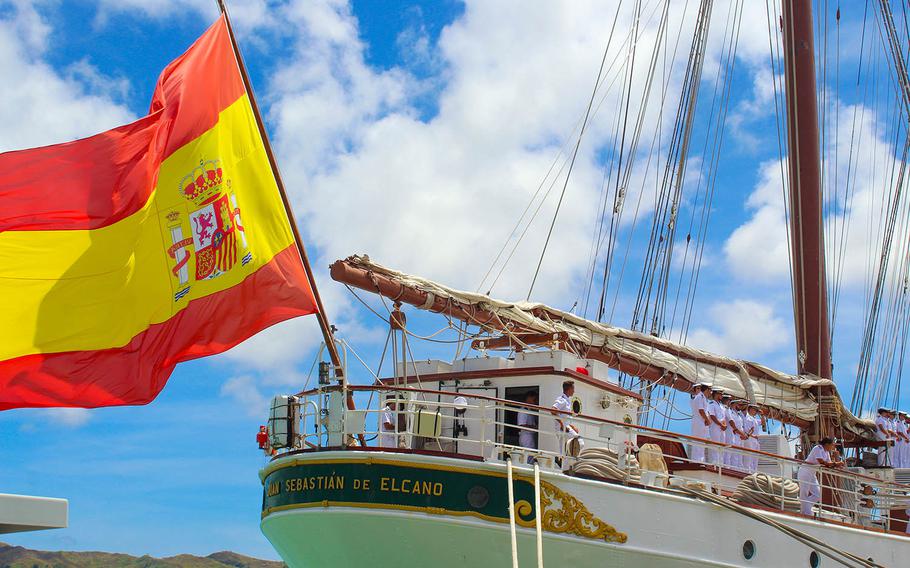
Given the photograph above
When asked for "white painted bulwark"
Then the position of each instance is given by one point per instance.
(19, 513)
(661, 528)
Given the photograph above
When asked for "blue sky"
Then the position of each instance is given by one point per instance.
(416, 132)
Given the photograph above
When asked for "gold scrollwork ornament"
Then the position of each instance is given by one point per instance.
(564, 514)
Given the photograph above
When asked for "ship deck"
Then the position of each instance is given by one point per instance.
(868, 500)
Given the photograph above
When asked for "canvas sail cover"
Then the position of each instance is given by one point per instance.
(786, 392)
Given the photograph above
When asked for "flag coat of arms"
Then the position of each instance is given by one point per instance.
(160, 241)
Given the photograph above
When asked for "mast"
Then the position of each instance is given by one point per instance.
(324, 325)
(810, 290)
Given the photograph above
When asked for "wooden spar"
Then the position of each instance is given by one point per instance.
(342, 271)
(810, 290)
(357, 277)
(321, 316)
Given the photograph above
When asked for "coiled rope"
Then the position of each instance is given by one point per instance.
(768, 491)
(604, 462)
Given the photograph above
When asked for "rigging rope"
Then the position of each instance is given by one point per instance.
(629, 39)
(834, 553)
(880, 337)
(581, 134)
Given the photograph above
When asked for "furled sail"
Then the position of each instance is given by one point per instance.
(791, 398)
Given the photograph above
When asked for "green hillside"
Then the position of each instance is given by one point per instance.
(19, 557)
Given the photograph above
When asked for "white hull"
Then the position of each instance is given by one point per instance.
(371, 538)
(663, 529)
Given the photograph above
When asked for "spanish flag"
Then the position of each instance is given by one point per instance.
(157, 242)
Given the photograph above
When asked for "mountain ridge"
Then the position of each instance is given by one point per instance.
(20, 557)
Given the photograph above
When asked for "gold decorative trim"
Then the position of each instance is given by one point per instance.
(386, 506)
(564, 514)
(370, 460)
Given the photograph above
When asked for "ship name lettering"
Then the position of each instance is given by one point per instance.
(331, 482)
(274, 489)
(414, 487)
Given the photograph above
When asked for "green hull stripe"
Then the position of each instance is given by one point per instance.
(393, 486)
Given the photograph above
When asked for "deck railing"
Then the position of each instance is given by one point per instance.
(474, 426)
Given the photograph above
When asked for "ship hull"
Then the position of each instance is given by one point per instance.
(382, 538)
(358, 508)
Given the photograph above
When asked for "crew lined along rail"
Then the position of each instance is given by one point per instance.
(477, 427)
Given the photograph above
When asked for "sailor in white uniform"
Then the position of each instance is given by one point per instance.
(809, 490)
(565, 430)
(903, 432)
(903, 420)
(700, 421)
(527, 436)
(884, 433)
(718, 416)
(906, 419)
(752, 428)
(388, 437)
(730, 436)
(738, 425)
(896, 460)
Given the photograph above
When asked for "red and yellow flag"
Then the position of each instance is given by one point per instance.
(157, 242)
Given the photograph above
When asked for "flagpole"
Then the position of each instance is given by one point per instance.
(324, 325)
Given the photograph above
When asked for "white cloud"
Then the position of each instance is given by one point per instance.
(746, 329)
(41, 105)
(72, 418)
(69, 417)
(283, 354)
(757, 250)
(27, 24)
(162, 8)
(244, 391)
(439, 196)
(245, 14)
(85, 73)
(416, 47)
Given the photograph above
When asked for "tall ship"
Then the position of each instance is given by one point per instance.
(465, 460)
(522, 434)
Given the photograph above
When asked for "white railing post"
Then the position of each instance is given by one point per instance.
(626, 455)
(719, 455)
(538, 514)
(344, 414)
(482, 405)
(399, 404)
(780, 469)
(512, 514)
(408, 425)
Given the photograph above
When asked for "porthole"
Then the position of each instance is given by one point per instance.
(478, 496)
(814, 559)
(748, 550)
(576, 405)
